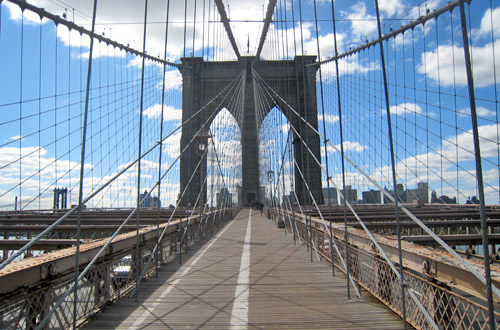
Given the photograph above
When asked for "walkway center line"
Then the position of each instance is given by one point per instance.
(165, 293)
(239, 315)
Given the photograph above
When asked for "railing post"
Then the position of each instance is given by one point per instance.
(36, 308)
(179, 241)
(393, 165)
(82, 165)
(160, 146)
(139, 152)
(479, 168)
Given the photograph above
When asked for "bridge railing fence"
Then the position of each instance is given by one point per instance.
(110, 278)
(449, 308)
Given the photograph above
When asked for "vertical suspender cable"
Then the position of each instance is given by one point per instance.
(39, 113)
(479, 169)
(391, 144)
(69, 117)
(20, 137)
(160, 146)
(194, 27)
(203, 32)
(455, 108)
(339, 105)
(324, 124)
(82, 167)
(185, 18)
(55, 113)
(439, 105)
(303, 110)
(496, 94)
(141, 106)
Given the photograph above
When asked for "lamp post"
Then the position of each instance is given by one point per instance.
(270, 179)
(202, 145)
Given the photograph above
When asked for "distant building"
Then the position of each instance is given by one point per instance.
(330, 195)
(401, 194)
(371, 197)
(419, 195)
(289, 199)
(423, 192)
(350, 194)
(155, 202)
(146, 201)
(60, 198)
(239, 193)
(442, 199)
(472, 200)
(262, 193)
(224, 196)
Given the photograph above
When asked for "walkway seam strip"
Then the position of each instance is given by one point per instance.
(239, 315)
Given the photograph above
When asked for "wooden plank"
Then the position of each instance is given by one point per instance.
(286, 289)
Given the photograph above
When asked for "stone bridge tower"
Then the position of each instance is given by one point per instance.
(293, 80)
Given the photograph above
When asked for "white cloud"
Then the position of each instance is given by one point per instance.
(363, 24)
(486, 27)
(349, 65)
(285, 128)
(451, 66)
(481, 112)
(391, 7)
(331, 119)
(403, 108)
(224, 120)
(15, 14)
(228, 153)
(34, 170)
(173, 145)
(348, 146)
(169, 113)
(173, 81)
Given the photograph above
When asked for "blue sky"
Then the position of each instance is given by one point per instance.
(422, 93)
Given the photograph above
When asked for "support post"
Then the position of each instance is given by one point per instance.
(479, 168)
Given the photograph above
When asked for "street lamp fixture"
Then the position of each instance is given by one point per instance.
(270, 176)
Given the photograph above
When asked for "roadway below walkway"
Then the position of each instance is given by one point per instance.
(248, 276)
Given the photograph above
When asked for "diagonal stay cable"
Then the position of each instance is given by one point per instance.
(112, 179)
(160, 237)
(329, 232)
(104, 247)
(225, 22)
(265, 28)
(316, 205)
(263, 99)
(472, 269)
(392, 266)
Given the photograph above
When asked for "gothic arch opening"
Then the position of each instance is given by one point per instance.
(224, 160)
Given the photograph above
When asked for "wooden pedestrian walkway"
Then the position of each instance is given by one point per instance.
(248, 276)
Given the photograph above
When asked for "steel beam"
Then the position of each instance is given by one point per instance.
(431, 263)
(467, 239)
(43, 244)
(23, 5)
(225, 21)
(473, 223)
(31, 271)
(92, 228)
(265, 28)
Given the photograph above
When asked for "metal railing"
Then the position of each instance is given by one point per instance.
(448, 307)
(111, 278)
